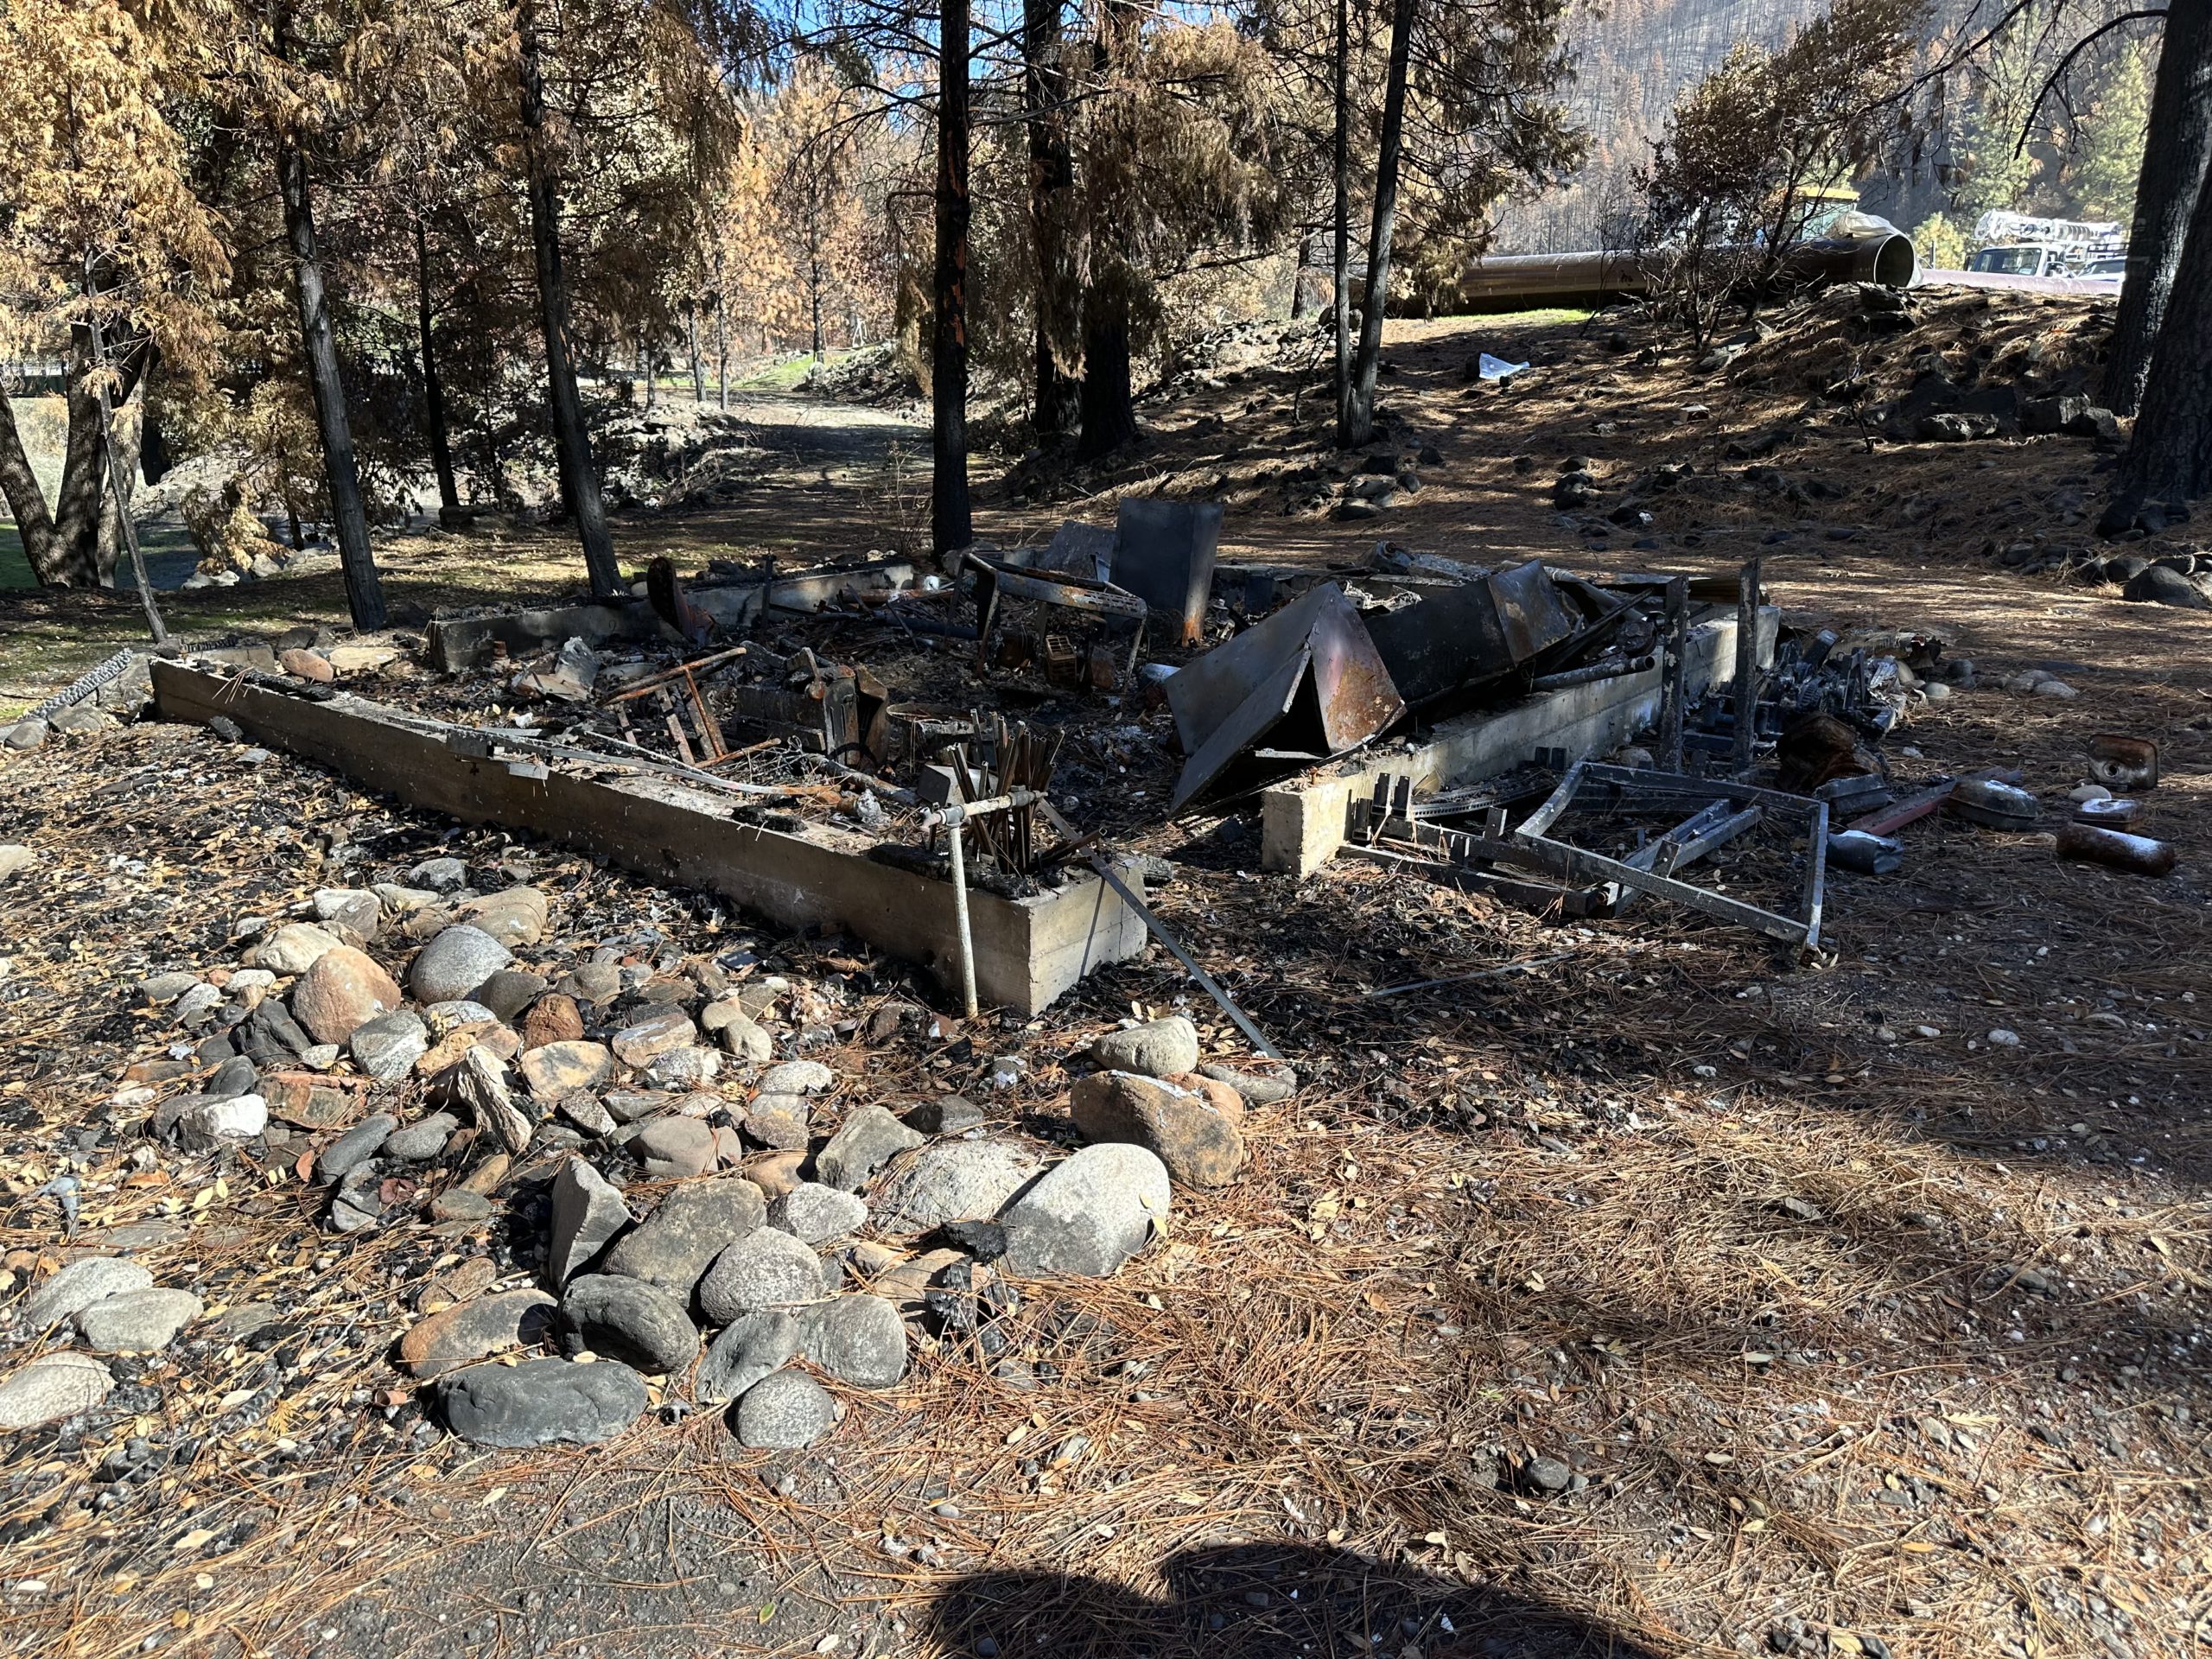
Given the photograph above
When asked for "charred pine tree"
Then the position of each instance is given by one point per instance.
(2169, 458)
(2175, 154)
(1052, 190)
(1340, 263)
(1358, 425)
(571, 438)
(1109, 402)
(434, 386)
(349, 518)
(951, 527)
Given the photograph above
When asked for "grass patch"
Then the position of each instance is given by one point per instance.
(784, 376)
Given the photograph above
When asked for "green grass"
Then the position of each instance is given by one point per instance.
(1553, 314)
(157, 540)
(785, 375)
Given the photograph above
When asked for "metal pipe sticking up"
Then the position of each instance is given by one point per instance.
(967, 1005)
(951, 817)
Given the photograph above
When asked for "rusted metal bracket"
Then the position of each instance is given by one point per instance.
(713, 747)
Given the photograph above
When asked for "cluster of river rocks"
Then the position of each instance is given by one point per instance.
(705, 1213)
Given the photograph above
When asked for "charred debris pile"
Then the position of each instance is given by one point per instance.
(994, 725)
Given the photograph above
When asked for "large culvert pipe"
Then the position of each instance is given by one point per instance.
(1519, 280)
(1887, 258)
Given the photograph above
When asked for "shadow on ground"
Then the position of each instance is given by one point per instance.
(1267, 1599)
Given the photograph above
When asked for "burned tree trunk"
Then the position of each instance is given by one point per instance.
(1110, 419)
(2169, 458)
(154, 457)
(434, 386)
(571, 439)
(1341, 253)
(349, 519)
(1359, 423)
(951, 527)
(2174, 170)
(1052, 190)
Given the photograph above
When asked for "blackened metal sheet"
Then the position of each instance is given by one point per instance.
(1307, 679)
(1464, 633)
(1164, 553)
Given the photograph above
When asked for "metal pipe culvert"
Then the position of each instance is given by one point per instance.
(1507, 282)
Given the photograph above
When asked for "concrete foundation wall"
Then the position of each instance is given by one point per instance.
(1028, 952)
(1302, 821)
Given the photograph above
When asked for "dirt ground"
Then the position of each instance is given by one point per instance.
(1659, 1298)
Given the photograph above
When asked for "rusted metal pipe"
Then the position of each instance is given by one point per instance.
(1511, 281)
(2137, 854)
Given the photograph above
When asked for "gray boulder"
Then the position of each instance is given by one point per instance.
(1259, 1089)
(676, 1148)
(746, 1041)
(455, 962)
(765, 1269)
(947, 1115)
(293, 948)
(439, 875)
(509, 991)
(814, 1214)
(138, 1321)
(751, 1347)
(587, 1212)
(387, 1045)
(59, 1385)
(628, 1319)
(1162, 1049)
(858, 1339)
(164, 989)
(356, 1145)
(688, 1068)
(869, 1138)
(954, 1180)
(1088, 1214)
(797, 1077)
(421, 1140)
(540, 1401)
(776, 1126)
(675, 1245)
(77, 1286)
(2160, 585)
(783, 1412)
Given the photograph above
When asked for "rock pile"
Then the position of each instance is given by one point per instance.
(113, 1306)
(682, 1213)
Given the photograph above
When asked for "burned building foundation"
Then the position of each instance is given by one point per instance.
(1027, 951)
